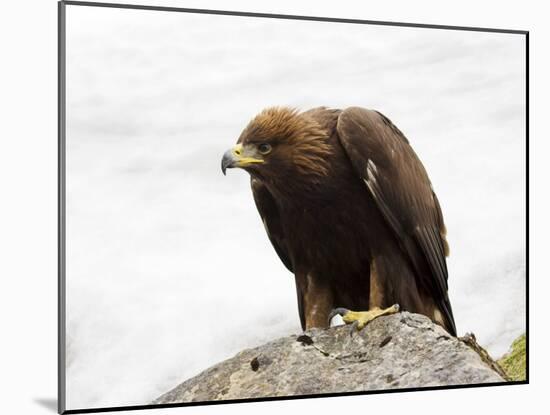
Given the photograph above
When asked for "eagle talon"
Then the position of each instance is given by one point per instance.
(359, 319)
(340, 311)
(353, 328)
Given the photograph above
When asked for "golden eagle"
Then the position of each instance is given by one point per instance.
(350, 210)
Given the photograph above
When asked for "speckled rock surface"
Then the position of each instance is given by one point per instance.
(399, 351)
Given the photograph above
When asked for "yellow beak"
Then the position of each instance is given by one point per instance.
(239, 156)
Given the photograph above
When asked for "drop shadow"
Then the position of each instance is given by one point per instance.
(48, 403)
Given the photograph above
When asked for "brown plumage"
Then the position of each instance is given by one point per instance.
(349, 209)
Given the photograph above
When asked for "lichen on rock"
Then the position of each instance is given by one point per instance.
(514, 362)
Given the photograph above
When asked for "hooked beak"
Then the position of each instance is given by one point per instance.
(228, 161)
(238, 157)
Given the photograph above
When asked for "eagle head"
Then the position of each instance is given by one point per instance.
(280, 143)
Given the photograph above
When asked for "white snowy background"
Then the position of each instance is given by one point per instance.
(169, 269)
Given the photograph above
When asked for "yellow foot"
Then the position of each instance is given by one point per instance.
(360, 319)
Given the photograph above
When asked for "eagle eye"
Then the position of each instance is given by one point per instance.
(264, 148)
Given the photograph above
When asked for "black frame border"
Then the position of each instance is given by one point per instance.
(61, 234)
(61, 120)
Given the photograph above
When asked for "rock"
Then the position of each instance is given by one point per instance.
(514, 362)
(398, 351)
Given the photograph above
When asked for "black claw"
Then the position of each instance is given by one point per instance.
(340, 311)
(353, 328)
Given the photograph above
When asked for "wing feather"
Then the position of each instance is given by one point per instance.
(399, 184)
(269, 212)
(272, 222)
